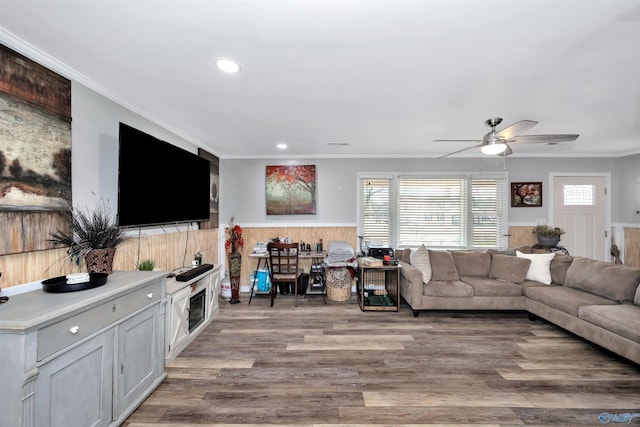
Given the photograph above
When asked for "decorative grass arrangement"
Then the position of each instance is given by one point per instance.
(90, 229)
(146, 265)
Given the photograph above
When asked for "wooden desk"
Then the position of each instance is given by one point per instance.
(314, 256)
(262, 260)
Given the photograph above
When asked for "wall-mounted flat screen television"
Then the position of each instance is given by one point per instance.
(159, 183)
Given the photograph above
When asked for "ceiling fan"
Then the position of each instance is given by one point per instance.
(496, 143)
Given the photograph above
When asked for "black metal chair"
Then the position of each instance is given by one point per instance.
(283, 268)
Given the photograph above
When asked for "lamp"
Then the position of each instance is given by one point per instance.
(491, 148)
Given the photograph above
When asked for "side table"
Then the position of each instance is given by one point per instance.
(379, 287)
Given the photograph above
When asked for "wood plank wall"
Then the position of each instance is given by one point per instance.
(631, 254)
(169, 251)
(311, 235)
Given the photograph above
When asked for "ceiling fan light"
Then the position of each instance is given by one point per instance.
(493, 148)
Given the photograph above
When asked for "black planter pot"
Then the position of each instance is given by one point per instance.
(548, 240)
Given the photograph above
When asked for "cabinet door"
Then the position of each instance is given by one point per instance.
(214, 292)
(139, 361)
(75, 388)
(178, 321)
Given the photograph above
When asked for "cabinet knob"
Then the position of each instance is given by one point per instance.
(114, 308)
(150, 295)
(74, 329)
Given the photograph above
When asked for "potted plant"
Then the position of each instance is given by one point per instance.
(93, 235)
(547, 235)
(146, 265)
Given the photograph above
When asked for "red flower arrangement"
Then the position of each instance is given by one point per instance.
(234, 242)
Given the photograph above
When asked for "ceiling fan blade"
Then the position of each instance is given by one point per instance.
(457, 140)
(516, 129)
(545, 139)
(459, 151)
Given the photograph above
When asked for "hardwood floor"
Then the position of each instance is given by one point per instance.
(333, 365)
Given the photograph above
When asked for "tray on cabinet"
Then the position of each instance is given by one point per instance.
(61, 284)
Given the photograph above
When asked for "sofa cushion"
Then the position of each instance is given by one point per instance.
(472, 263)
(559, 266)
(487, 287)
(623, 319)
(420, 260)
(403, 255)
(442, 266)
(540, 267)
(614, 281)
(509, 268)
(447, 288)
(567, 300)
(511, 251)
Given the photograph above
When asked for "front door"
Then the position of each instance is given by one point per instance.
(579, 207)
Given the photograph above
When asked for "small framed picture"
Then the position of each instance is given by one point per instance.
(526, 194)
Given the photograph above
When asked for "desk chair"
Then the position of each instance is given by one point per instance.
(283, 267)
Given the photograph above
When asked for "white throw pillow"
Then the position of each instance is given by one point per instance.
(420, 260)
(540, 267)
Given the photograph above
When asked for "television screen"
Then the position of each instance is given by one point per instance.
(159, 183)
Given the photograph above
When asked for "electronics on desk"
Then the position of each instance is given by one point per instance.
(380, 251)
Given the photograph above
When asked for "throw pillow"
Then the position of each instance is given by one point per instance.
(540, 268)
(509, 268)
(472, 263)
(559, 266)
(442, 266)
(420, 260)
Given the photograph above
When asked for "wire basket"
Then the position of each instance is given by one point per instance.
(338, 294)
(338, 281)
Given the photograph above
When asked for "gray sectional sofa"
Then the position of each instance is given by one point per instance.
(596, 300)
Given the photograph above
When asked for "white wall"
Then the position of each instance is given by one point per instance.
(94, 151)
(242, 184)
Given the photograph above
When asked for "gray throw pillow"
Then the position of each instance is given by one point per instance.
(442, 266)
(509, 268)
(559, 266)
(472, 263)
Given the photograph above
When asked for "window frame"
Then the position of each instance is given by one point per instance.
(394, 210)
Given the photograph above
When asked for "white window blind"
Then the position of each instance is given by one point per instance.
(488, 209)
(376, 213)
(432, 211)
(451, 212)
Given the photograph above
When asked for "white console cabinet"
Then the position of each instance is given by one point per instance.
(191, 306)
(85, 358)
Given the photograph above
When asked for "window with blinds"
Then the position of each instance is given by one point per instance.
(448, 212)
(376, 213)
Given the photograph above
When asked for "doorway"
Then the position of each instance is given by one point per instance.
(581, 207)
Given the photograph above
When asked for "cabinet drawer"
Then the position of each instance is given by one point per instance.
(66, 332)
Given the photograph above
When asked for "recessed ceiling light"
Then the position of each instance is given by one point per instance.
(227, 65)
(282, 146)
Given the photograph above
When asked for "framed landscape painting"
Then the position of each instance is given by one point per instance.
(526, 194)
(35, 153)
(291, 190)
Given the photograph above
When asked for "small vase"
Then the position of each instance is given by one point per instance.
(100, 260)
(235, 264)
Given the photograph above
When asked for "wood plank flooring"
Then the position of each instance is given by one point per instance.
(333, 365)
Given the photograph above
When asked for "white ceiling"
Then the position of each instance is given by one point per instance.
(387, 77)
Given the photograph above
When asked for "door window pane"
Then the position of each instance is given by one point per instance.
(578, 195)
